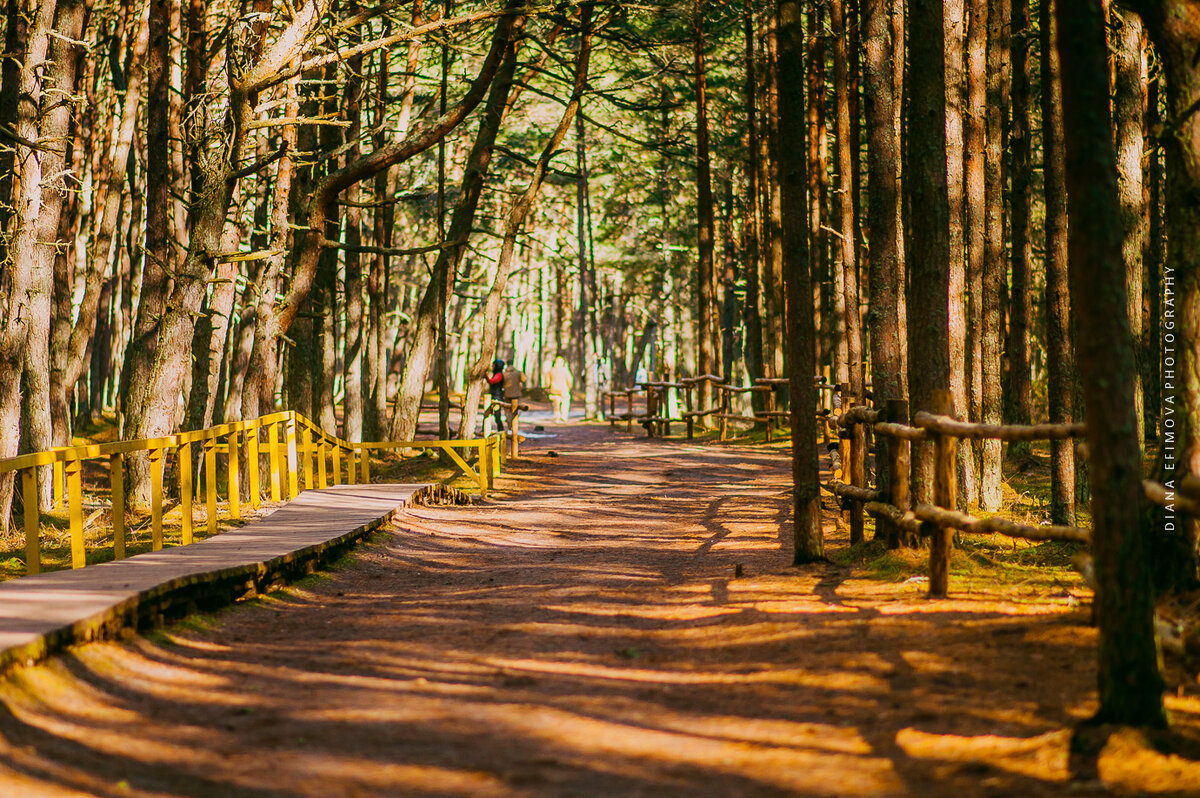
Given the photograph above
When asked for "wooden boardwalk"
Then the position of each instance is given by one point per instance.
(44, 613)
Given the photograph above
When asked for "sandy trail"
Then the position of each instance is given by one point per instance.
(621, 619)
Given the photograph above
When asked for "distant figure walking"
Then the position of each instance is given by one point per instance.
(560, 388)
(514, 389)
(495, 382)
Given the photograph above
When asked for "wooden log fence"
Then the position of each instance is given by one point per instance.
(292, 445)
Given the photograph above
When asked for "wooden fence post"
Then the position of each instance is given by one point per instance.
(899, 463)
(365, 466)
(726, 406)
(944, 495)
(858, 477)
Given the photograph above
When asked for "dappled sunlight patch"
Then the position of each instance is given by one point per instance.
(682, 612)
(1043, 757)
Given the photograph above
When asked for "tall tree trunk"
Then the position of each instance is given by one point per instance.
(1019, 387)
(1130, 685)
(928, 246)
(17, 305)
(1129, 112)
(955, 34)
(886, 281)
(975, 227)
(355, 351)
(753, 214)
(809, 545)
(995, 269)
(847, 190)
(705, 279)
(1059, 367)
(56, 167)
(773, 266)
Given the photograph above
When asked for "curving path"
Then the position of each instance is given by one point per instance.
(621, 619)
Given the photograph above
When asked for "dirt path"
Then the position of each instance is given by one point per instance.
(619, 620)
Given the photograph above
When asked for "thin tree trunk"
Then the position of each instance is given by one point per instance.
(753, 215)
(847, 190)
(955, 33)
(1019, 387)
(976, 232)
(706, 297)
(1059, 367)
(995, 268)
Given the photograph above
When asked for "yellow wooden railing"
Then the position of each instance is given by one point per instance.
(292, 442)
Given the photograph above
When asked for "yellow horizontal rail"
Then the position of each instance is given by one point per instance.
(290, 443)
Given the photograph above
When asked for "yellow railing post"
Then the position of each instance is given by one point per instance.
(156, 483)
(116, 478)
(365, 462)
(292, 469)
(235, 482)
(273, 452)
(485, 465)
(308, 459)
(210, 484)
(322, 472)
(57, 484)
(74, 472)
(185, 490)
(29, 495)
(252, 463)
(335, 462)
(351, 467)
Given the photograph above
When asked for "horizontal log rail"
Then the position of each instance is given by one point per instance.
(290, 443)
(987, 526)
(853, 492)
(945, 425)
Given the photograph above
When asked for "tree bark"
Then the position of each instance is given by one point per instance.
(847, 190)
(17, 303)
(928, 246)
(1130, 685)
(955, 30)
(995, 269)
(809, 545)
(706, 300)
(1129, 114)
(753, 215)
(1019, 387)
(1059, 367)
(975, 232)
